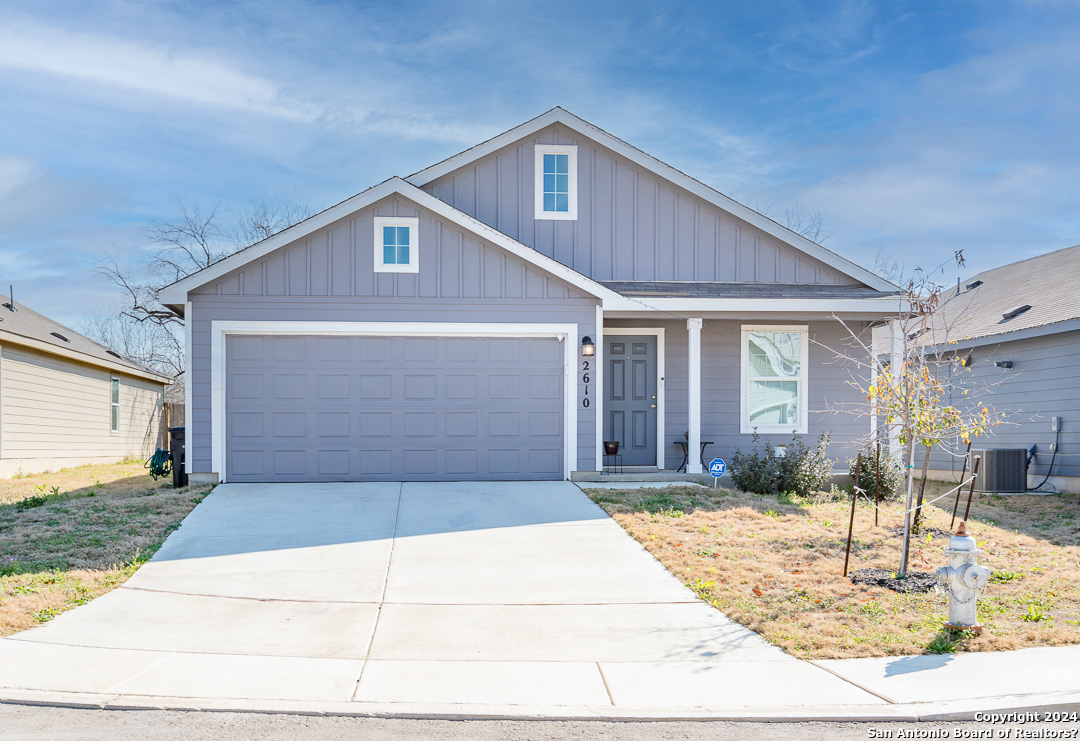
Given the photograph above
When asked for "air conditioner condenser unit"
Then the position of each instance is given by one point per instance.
(1002, 470)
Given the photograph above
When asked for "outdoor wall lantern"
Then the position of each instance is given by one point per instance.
(588, 349)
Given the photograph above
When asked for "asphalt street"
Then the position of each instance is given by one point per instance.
(40, 723)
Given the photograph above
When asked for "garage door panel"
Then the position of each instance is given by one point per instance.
(362, 408)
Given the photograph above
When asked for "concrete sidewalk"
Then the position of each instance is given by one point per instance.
(460, 600)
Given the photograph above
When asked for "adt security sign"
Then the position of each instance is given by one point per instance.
(717, 467)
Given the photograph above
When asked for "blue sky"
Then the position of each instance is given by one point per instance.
(915, 128)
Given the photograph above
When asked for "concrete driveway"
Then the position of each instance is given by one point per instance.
(456, 598)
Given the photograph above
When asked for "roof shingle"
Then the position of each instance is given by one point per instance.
(25, 322)
(710, 289)
(1049, 283)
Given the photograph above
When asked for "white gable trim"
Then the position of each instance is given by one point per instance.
(562, 116)
(176, 294)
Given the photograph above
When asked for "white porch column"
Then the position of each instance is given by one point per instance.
(693, 465)
(598, 380)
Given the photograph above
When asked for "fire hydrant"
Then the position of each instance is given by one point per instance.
(962, 580)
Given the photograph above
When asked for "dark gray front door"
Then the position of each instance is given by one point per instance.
(310, 408)
(630, 406)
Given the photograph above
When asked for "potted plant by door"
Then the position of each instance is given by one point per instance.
(611, 447)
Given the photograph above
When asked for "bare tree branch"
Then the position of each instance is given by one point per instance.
(193, 238)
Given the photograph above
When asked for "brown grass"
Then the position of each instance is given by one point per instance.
(70, 536)
(775, 563)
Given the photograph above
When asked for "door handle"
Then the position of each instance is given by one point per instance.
(653, 406)
(654, 397)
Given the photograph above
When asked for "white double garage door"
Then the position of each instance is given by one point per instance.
(394, 408)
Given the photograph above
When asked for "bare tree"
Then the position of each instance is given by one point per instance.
(158, 346)
(799, 219)
(807, 222)
(194, 237)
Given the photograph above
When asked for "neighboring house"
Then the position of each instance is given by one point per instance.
(443, 326)
(1017, 328)
(67, 401)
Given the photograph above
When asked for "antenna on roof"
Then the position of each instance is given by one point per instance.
(11, 297)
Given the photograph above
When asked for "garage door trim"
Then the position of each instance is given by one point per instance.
(565, 333)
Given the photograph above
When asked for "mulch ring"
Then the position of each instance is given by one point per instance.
(935, 532)
(914, 583)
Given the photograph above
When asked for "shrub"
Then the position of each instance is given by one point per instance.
(801, 471)
(892, 474)
(805, 470)
(754, 472)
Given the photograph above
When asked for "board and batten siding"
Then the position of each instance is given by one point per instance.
(329, 276)
(1044, 382)
(827, 381)
(631, 225)
(56, 413)
(338, 262)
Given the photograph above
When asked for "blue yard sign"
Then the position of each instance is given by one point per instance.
(717, 467)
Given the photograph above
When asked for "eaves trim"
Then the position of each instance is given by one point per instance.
(8, 337)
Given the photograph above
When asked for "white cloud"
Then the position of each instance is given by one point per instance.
(190, 75)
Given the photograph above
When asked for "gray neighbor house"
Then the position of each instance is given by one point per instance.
(500, 314)
(1017, 330)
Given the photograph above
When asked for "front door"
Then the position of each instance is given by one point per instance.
(630, 406)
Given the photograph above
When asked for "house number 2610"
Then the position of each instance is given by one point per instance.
(585, 379)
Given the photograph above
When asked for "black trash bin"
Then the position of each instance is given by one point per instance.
(176, 452)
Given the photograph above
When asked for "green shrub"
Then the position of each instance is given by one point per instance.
(805, 470)
(801, 471)
(892, 474)
(754, 472)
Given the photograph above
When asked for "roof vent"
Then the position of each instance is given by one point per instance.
(115, 354)
(1015, 312)
(59, 336)
(973, 285)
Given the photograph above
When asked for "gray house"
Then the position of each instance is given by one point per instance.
(502, 313)
(1017, 330)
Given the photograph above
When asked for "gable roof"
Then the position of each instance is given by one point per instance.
(715, 197)
(27, 328)
(1047, 283)
(175, 295)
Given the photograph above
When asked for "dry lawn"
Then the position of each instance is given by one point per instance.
(70, 536)
(774, 564)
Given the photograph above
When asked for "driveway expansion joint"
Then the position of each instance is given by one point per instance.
(521, 618)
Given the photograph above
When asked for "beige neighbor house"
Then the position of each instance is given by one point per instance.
(67, 401)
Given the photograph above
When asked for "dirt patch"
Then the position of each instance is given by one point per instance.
(915, 582)
(71, 536)
(775, 564)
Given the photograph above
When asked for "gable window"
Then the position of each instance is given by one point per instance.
(774, 379)
(114, 419)
(396, 246)
(556, 181)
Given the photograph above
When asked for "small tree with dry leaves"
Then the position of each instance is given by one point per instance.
(917, 388)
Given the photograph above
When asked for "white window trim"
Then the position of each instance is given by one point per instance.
(219, 330)
(114, 380)
(413, 224)
(538, 182)
(744, 405)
